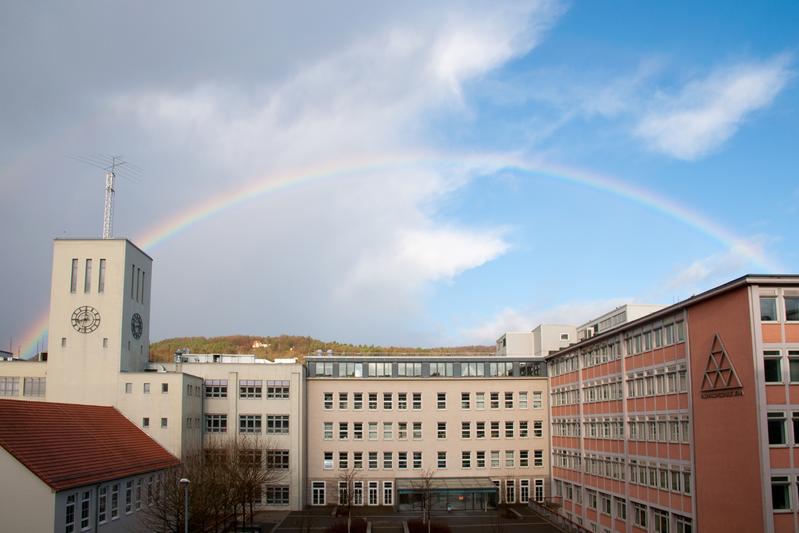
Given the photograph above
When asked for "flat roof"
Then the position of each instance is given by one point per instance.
(101, 239)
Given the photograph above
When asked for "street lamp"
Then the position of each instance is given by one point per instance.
(184, 482)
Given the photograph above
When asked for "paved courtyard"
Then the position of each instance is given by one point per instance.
(387, 521)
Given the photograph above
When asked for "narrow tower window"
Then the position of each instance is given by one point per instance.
(87, 277)
(101, 280)
(132, 278)
(73, 280)
(141, 298)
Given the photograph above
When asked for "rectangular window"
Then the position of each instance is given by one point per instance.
(388, 493)
(102, 505)
(480, 459)
(343, 430)
(510, 459)
(73, 280)
(441, 369)
(494, 400)
(277, 459)
(327, 401)
(164, 388)
(508, 400)
(402, 460)
(215, 388)
(101, 279)
(164, 422)
(128, 497)
(466, 430)
(357, 401)
(388, 460)
(388, 430)
(141, 287)
(69, 514)
(538, 428)
(327, 460)
(793, 365)
(640, 515)
(317, 493)
(480, 430)
(277, 390)
(780, 493)
(114, 501)
(372, 460)
(327, 430)
(522, 400)
(465, 400)
(132, 281)
(323, 369)
(479, 400)
(34, 386)
(472, 369)
(85, 501)
(276, 424)
(372, 430)
(441, 430)
(417, 460)
(216, 423)
(343, 460)
(772, 366)
(343, 400)
(523, 429)
(379, 370)
(776, 429)
(792, 308)
(277, 494)
(388, 401)
(409, 369)
(494, 429)
(441, 461)
(87, 277)
(402, 430)
(417, 401)
(466, 459)
(145, 422)
(350, 370)
(538, 458)
(494, 458)
(417, 430)
(524, 458)
(621, 509)
(768, 309)
(357, 431)
(510, 491)
(372, 401)
(250, 389)
(441, 400)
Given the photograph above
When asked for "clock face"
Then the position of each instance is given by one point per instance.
(85, 319)
(136, 325)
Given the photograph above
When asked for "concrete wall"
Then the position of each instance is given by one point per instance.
(22, 370)
(26, 502)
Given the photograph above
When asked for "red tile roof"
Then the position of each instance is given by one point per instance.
(69, 445)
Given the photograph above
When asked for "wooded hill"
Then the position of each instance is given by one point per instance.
(286, 346)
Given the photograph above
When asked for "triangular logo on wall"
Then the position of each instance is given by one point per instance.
(720, 378)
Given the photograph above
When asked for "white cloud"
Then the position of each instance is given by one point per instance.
(509, 319)
(360, 239)
(707, 112)
(716, 267)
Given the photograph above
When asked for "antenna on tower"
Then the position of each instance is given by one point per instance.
(113, 165)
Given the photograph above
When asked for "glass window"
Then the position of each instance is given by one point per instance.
(793, 365)
(776, 429)
(215, 388)
(73, 280)
(772, 366)
(780, 493)
(768, 308)
(343, 400)
(252, 424)
(87, 277)
(792, 308)
(275, 424)
(465, 400)
(343, 430)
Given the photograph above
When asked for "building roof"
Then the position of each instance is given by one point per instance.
(70, 445)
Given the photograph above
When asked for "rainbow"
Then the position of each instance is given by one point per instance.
(471, 164)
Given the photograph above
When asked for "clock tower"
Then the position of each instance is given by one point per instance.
(99, 318)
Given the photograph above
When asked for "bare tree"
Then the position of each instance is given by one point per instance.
(226, 480)
(424, 485)
(347, 498)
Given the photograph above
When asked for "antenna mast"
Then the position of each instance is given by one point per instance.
(108, 208)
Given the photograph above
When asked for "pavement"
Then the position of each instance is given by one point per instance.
(386, 520)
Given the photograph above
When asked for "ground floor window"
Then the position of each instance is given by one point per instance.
(342, 493)
(357, 493)
(277, 495)
(69, 520)
(524, 490)
(317, 493)
(374, 487)
(388, 493)
(510, 491)
(539, 490)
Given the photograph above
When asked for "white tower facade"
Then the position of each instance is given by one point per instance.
(99, 318)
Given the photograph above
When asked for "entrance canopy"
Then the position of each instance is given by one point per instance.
(446, 484)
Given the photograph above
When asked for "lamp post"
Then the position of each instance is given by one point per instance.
(184, 482)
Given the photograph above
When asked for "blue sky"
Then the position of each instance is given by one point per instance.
(696, 103)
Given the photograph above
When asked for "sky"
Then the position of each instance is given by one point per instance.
(414, 173)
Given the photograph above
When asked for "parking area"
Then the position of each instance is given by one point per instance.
(387, 521)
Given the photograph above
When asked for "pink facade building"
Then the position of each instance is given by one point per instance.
(686, 419)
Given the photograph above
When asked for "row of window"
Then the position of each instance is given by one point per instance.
(137, 276)
(275, 424)
(9, 386)
(418, 369)
(669, 478)
(249, 389)
(611, 350)
(770, 309)
(87, 277)
(112, 500)
(661, 521)
(404, 460)
(652, 429)
(492, 429)
(274, 459)
(653, 382)
(478, 400)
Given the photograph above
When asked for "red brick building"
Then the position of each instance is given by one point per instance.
(686, 419)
